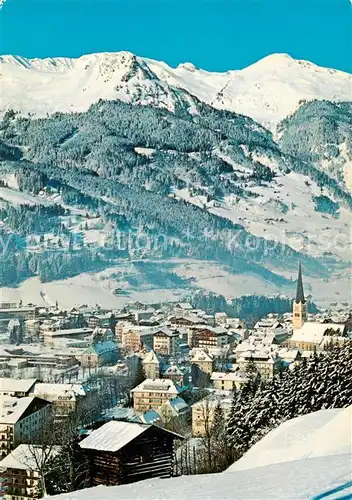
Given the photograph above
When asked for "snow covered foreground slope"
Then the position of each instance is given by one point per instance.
(322, 433)
(267, 91)
(286, 471)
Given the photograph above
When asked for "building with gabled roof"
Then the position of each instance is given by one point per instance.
(173, 408)
(125, 452)
(264, 362)
(16, 387)
(315, 335)
(65, 398)
(151, 365)
(151, 394)
(174, 373)
(20, 476)
(21, 419)
(203, 360)
(99, 354)
(208, 336)
(228, 381)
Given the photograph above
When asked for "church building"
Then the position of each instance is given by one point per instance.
(299, 304)
(307, 335)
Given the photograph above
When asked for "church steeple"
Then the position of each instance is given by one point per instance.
(299, 304)
(299, 291)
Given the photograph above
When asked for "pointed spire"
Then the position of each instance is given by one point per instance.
(300, 292)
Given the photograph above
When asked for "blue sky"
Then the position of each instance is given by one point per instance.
(213, 34)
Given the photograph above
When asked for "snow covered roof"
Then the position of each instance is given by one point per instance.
(26, 457)
(228, 376)
(113, 436)
(260, 356)
(59, 389)
(102, 347)
(186, 306)
(220, 315)
(314, 332)
(173, 370)
(157, 385)
(12, 409)
(151, 357)
(178, 404)
(200, 355)
(12, 385)
(288, 464)
(69, 331)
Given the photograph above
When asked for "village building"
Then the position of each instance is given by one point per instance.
(228, 381)
(151, 394)
(203, 360)
(151, 365)
(16, 387)
(133, 339)
(299, 304)
(208, 337)
(93, 322)
(263, 362)
(99, 354)
(203, 414)
(315, 336)
(309, 336)
(183, 308)
(50, 336)
(174, 373)
(125, 452)
(21, 419)
(163, 341)
(20, 477)
(142, 314)
(65, 398)
(172, 409)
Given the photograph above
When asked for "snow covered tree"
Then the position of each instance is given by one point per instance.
(322, 381)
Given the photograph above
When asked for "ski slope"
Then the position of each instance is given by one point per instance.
(267, 91)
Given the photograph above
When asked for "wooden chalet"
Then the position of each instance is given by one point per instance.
(125, 452)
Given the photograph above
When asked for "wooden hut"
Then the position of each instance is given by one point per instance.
(125, 452)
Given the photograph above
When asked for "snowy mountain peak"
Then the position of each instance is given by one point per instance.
(267, 91)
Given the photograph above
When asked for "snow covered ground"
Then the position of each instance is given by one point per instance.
(98, 288)
(322, 433)
(307, 457)
(284, 212)
(267, 91)
(20, 198)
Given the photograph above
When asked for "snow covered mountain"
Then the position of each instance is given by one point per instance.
(267, 91)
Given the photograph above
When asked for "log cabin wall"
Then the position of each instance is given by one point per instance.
(104, 468)
(148, 456)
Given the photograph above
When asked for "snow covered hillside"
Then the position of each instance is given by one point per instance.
(318, 434)
(307, 457)
(267, 91)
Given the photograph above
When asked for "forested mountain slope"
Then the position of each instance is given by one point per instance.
(161, 174)
(320, 132)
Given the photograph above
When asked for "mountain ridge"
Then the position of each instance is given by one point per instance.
(267, 91)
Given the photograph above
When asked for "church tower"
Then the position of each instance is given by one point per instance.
(299, 304)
